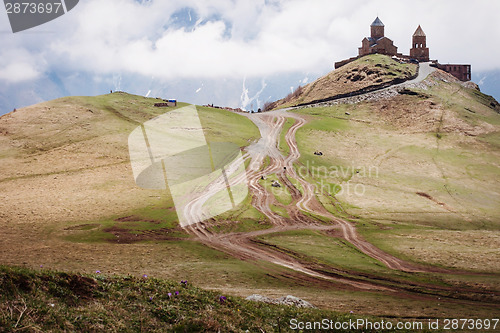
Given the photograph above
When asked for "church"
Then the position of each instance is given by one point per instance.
(380, 44)
(377, 42)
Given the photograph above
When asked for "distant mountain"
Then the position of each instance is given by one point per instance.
(489, 82)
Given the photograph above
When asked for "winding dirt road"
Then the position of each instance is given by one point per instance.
(241, 245)
(307, 201)
(244, 246)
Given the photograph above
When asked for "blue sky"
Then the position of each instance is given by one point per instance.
(229, 52)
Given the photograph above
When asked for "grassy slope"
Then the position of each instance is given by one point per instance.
(282, 145)
(63, 225)
(444, 143)
(67, 191)
(66, 182)
(369, 70)
(52, 302)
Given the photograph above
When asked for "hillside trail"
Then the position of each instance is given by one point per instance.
(424, 70)
(307, 200)
(243, 245)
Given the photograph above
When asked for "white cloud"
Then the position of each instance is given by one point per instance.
(241, 38)
(18, 72)
(19, 65)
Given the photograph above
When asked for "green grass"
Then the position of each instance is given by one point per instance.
(243, 218)
(329, 250)
(333, 251)
(155, 217)
(281, 194)
(122, 112)
(225, 126)
(295, 183)
(280, 210)
(339, 256)
(54, 301)
(328, 124)
(282, 144)
(324, 122)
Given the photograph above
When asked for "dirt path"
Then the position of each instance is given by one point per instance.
(246, 246)
(309, 203)
(241, 245)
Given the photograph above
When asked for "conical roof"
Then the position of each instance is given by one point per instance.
(377, 23)
(419, 32)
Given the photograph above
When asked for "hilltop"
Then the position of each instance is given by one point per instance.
(368, 71)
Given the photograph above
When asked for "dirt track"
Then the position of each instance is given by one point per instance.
(246, 246)
(242, 245)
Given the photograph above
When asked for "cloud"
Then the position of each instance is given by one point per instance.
(110, 43)
(18, 72)
(19, 65)
(241, 38)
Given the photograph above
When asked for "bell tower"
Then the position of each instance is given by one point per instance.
(419, 49)
(377, 29)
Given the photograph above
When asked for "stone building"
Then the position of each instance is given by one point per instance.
(419, 49)
(377, 42)
(461, 72)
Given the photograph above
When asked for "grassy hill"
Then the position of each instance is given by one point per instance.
(69, 199)
(426, 162)
(370, 70)
(417, 173)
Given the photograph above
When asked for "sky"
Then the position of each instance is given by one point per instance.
(234, 51)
